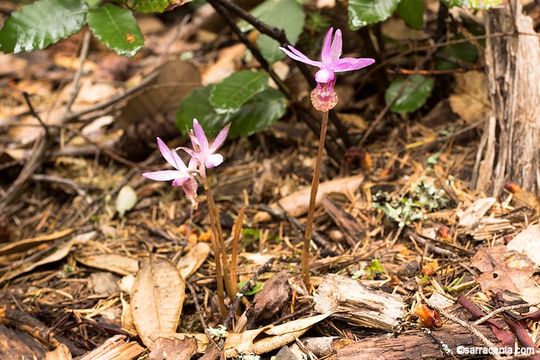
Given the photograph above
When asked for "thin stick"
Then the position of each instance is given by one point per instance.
(312, 198)
(77, 78)
(33, 112)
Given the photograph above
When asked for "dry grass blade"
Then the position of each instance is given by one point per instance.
(157, 299)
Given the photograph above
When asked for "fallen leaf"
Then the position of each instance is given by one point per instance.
(157, 299)
(103, 283)
(474, 213)
(527, 242)
(173, 349)
(296, 204)
(119, 264)
(115, 348)
(190, 263)
(470, 100)
(226, 64)
(504, 270)
(522, 196)
(23, 245)
(267, 303)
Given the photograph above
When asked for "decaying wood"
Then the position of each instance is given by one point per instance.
(357, 304)
(512, 70)
(15, 344)
(413, 345)
(346, 222)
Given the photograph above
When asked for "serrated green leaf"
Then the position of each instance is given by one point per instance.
(41, 24)
(412, 12)
(230, 94)
(366, 12)
(263, 110)
(417, 90)
(148, 6)
(283, 14)
(117, 28)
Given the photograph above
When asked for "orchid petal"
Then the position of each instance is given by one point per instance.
(181, 180)
(164, 175)
(189, 151)
(348, 64)
(190, 190)
(324, 76)
(200, 136)
(166, 152)
(303, 58)
(213, 160)
(337, 44)
(220, 138)
(326, 53)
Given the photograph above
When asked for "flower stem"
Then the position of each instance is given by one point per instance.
(312, 200)
(216, 245)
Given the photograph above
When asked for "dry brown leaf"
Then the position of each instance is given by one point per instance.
(470, 100)
(190, 263)
(226, 64)
(527, 242)
(173, 349)
(60, 353)
(175, 80)
(296, 204)
(524, 197)
(504, 270)
(119, 264)
(126, 319)
(116, 348)
(26, 244)
(474, 213)
(272, 298)
(103, 283)
(157, 299)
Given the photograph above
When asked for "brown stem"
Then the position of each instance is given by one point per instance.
(234, 249)
(312, 198)
(216, 245)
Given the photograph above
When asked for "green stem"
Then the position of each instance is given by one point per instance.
(312, 200)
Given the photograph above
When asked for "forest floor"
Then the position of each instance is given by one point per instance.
(404, 244)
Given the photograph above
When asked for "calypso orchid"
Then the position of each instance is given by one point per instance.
(183, 175)
(324, 97)
(203, 155)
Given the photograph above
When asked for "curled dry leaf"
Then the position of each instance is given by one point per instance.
(119, 264)
(527, 242)
(474, 213)
(190, 263)
(272, 298)
(173, 349)
(296, 204)
(156, 299)
(470, 101)
(506, 270)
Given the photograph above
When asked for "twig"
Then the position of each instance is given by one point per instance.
(247, 287)
(59, 180)
(473, 330)
(500, 310)
(76, 86)
(33, 112)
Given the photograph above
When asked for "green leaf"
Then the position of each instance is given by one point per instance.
(366, 12)
(256, 288)
(473, 4)
(148, 6)
(229, 95)
(412, 12)
(415, 93)
(263, 110)
(449, 57)
(41, 24)
(117, 28)
(283, 14)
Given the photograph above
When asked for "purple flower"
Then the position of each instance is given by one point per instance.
(203, 154)
(329, 65)
(182, 176)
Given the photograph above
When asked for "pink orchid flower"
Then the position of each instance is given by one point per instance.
(328, 67)
(182, 176)
(203, 154)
